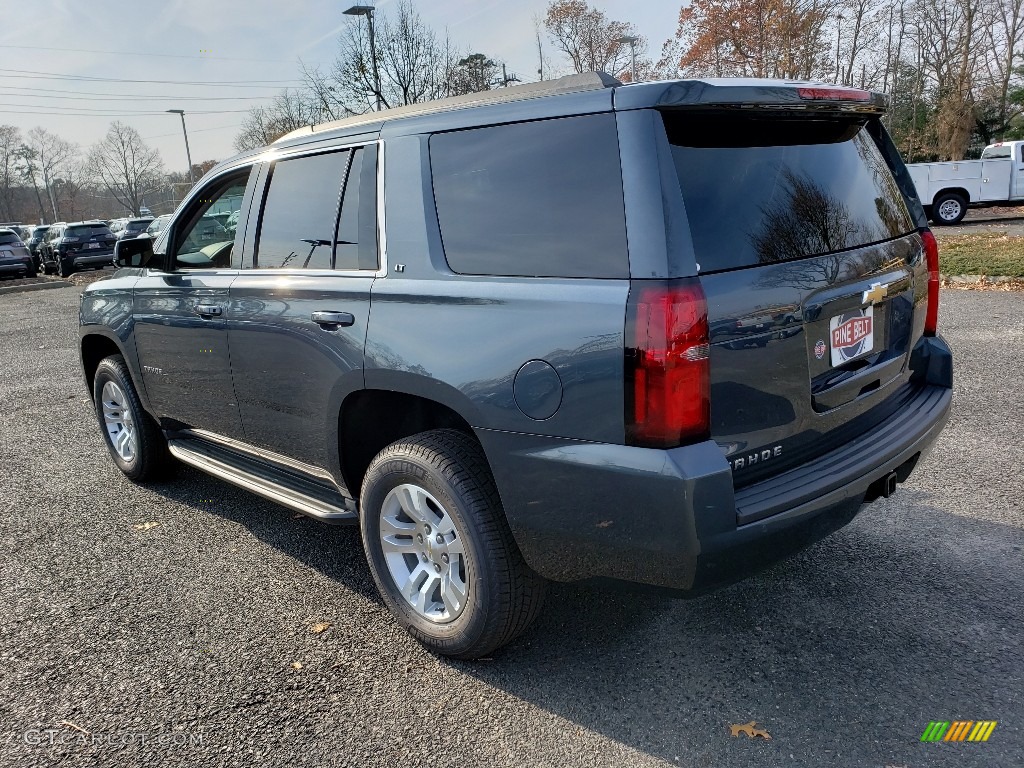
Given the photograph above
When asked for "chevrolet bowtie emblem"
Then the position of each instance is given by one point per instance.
(875, 294)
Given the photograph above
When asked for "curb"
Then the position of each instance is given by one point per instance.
(35, 286)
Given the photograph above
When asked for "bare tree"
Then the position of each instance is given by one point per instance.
(590, 39)
(10, 141)
(126, 166)
(68, 187)
(290, 109)
(52, 156)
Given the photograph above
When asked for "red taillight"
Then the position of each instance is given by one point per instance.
(834, 94)
(931, 258)
(667, 372)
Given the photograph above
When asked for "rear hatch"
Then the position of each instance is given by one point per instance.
(815, 279)
(11, 247)
(89, 239)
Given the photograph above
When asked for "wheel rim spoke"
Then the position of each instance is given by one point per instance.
(424, 553)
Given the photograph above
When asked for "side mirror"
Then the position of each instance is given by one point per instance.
(137, 252)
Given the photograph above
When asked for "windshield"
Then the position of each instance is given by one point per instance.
(760, 190)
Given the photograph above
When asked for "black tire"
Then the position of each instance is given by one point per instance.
(151, 460)
(31, 270)
(504, 595)
(64, 269)
(952, 212)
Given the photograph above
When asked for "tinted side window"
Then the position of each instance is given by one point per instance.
(300, 212)
(532, 199)
(357, 226)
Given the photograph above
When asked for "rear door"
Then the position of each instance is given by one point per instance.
(814, 276)
(181, 314)
(299, 310)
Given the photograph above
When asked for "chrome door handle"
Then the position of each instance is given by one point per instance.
(331, 320)
(208, 310)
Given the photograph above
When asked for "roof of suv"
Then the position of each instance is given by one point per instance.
(579, 94)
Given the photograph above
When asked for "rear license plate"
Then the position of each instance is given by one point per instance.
(93, 245)
(852, 335)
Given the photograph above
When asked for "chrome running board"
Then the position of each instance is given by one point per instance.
(302, 494)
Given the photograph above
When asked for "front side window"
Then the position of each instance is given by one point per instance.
(201, 241)
(538, 199)
(300, 212)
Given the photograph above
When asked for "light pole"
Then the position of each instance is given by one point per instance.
(839, 33)
(188, 152)
(631, 41)
(367, 11)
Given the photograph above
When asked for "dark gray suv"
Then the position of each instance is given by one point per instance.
(662, 333)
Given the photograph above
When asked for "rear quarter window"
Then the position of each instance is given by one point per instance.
(766, 190)
(540, 199)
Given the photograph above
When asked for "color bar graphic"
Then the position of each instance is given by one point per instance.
(959, 730)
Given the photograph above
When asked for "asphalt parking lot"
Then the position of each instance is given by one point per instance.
(191, 642)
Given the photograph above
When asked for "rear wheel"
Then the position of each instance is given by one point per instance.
(64, 267)
(439, 547)
(134, 440)
(949, 209)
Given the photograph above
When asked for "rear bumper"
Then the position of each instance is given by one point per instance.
(15, 267)
(85, 258)
(671, 519)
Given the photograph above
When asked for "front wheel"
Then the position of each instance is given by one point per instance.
(134, 440)
(949, 209)
(440, 549)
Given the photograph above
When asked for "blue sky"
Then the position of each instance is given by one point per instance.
(220, 41)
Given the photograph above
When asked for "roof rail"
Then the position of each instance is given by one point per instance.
(588, 81)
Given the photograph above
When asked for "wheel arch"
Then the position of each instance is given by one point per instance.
(953, 191)
(372, 419)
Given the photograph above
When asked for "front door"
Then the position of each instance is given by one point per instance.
(1017, 190)
(299, 310)
(181, 312)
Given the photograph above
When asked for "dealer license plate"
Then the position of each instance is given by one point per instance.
(852, 335)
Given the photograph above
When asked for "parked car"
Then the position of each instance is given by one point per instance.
(948, 189)
(117, 226)
(36, 236)
(156, 226)
(493, 353)
(69, 247)
(134, 227)
(15, 258)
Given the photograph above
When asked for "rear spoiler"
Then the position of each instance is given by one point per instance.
(748, 93)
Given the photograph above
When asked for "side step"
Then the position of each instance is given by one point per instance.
(286, 488)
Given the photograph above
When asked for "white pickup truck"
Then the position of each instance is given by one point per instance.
(947, 190)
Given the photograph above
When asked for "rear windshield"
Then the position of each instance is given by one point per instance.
(87, 230)
(764, 190)
(995, 153)
(138, 226)
(9, 238)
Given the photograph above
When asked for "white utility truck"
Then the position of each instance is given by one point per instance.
(947, 190)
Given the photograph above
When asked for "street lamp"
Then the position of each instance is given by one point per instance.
(631, 41)
(188, 152)
(367, 11)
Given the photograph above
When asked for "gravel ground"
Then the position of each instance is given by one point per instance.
(190, 643)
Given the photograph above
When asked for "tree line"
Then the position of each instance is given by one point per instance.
(44, 177)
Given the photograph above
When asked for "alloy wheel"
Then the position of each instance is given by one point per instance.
(117, 418)
(424, 553)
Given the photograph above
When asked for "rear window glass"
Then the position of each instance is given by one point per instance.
(995, 153)
(765, 190)
(138, 226)
(88, 230)
(9, 238)
(532, 199)
(40, 231)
